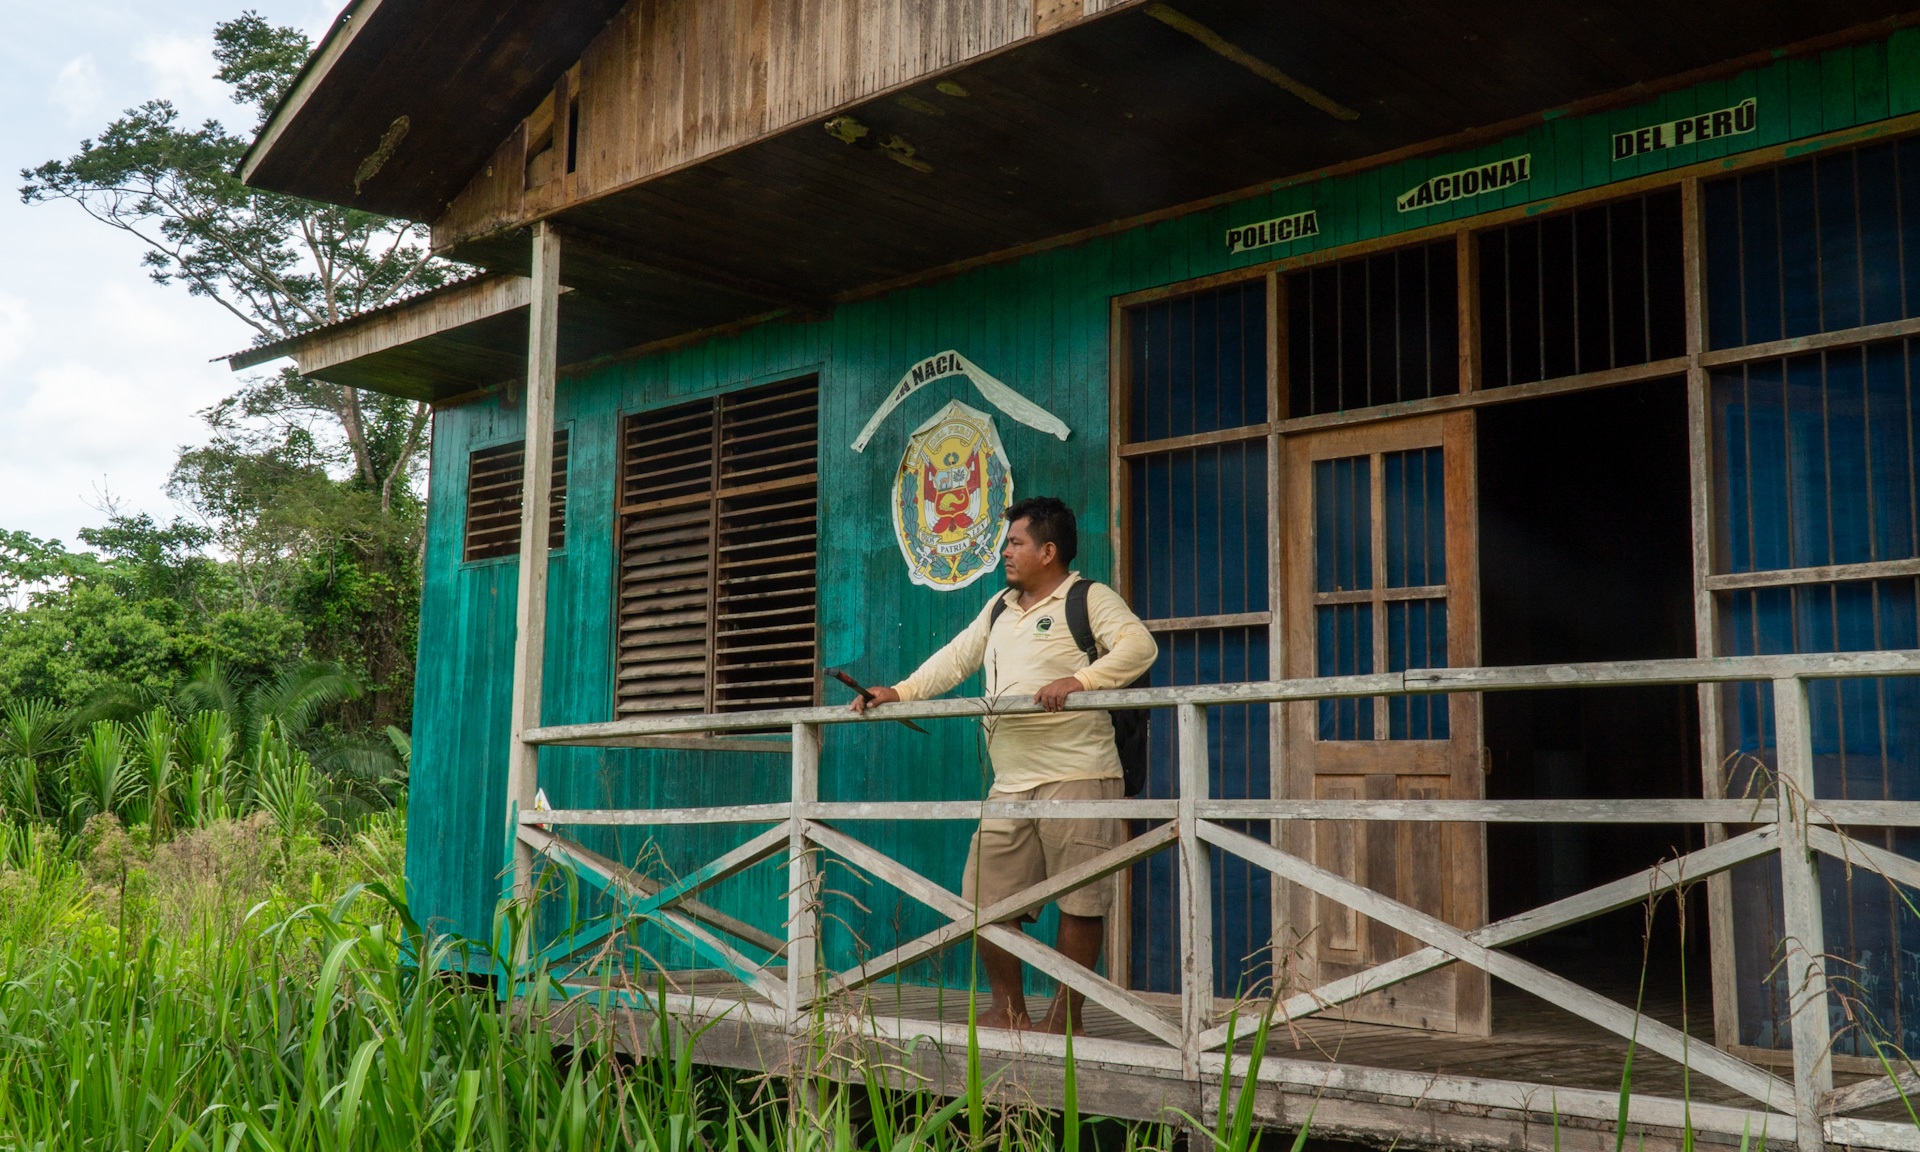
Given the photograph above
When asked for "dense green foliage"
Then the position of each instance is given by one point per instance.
(237, 988)
(308, 521)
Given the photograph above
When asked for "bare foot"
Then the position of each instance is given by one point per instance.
(1056, 1019)
(1000, 1016)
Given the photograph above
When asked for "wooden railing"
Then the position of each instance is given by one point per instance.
(1788, 823)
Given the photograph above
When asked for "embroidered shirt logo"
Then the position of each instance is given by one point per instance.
(1043, 625)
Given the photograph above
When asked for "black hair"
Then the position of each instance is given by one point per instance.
(1049, 521)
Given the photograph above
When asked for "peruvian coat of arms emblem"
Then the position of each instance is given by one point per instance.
(951, 497)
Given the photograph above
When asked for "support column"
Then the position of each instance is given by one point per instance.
(1196, 890)
(803, 887)
(530, 615)
(1804, 947)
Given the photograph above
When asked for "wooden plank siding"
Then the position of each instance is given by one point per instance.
(1040, 321)
(671, 82)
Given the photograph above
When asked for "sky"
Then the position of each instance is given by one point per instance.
(103, 372)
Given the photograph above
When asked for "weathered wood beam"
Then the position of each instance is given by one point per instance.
(1820, 574)
(592, 862)
(1815, 342)
(1095, 987)
(1837, 813)
(1020, 903)
(1716, 670)
(1803, 947)
(428, 314)
(803, 882)
(1621, 893)
(722, 814)
(1558, 990)
(1195, 907)
(745, 968)
(699, 275)
(530, 611)
(1430, 1096)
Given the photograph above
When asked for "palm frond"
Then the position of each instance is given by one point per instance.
(292, 699)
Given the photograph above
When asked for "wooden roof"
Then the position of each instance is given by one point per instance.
(1118, 115)
(460, 72)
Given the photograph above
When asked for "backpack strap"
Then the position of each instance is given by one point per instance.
(999, 606)
(1078, 622)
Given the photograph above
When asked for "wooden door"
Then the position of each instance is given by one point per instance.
(1379, 575)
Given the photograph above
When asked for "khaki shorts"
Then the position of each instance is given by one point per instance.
(1008, 855)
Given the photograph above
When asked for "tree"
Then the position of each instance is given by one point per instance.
(307, 490)
(281, 264)
(137, 616)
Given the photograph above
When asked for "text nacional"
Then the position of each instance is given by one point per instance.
(1476, 181)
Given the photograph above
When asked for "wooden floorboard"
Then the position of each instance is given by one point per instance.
(1533, 1043)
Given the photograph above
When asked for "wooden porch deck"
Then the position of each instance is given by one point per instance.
(1440, 1091)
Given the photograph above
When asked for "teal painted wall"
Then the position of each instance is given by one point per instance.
(1041, 325)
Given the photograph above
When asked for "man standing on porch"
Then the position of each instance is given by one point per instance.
(1023, 640)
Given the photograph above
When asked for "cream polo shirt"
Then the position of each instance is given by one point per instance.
(1023, 652)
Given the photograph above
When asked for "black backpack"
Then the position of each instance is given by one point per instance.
(1132, 727)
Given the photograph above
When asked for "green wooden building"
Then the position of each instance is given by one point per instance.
(1372, 347)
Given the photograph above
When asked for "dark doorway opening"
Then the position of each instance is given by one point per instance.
(1586, 554)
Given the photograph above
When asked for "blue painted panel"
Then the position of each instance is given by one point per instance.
(1343, 646)
(1818, 245)
(1198, 519)
(1343, 524)
(1416, 514)
(1237, 746)
(1416, 638)
(1199, 362)
(1866, 738)
(1817, 460)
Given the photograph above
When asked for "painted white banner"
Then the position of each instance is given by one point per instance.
(950, 363)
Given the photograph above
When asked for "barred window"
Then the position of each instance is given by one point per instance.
(718, 522)
(1582, 291)
(1379, 329)
(494, 488)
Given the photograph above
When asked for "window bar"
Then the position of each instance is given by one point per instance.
(1780, 245)
(1859, 245)
(1573, 245)
(1376, 604)
(1540, 298)
(1506, 298)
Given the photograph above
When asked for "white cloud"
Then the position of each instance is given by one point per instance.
(15, 327)
(102, 373)
(76, 89)
(182, 68)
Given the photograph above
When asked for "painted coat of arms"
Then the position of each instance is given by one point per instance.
(951, 498)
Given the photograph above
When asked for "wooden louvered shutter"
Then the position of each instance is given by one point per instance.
(666, 560)
(717, 553)
(494, 490)
(764, 605)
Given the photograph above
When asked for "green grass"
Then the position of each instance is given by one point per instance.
(233, 991)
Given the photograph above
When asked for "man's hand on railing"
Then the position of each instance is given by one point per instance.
(1054, 696)
(874, 696)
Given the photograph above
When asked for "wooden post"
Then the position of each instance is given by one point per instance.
(530, 616)
(803, 882)
(1279, 396)
(1726, 1000)
(1196, 891)
(1804, 947)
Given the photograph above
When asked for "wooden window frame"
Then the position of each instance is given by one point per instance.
(1694, 365)
(714, 499)
(557, 503)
